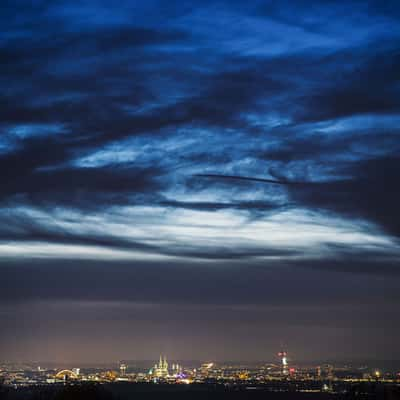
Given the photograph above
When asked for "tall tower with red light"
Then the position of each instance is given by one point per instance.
(284, 362)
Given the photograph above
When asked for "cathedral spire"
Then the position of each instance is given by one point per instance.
(161, 369)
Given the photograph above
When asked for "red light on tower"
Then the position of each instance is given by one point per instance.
(284, 362)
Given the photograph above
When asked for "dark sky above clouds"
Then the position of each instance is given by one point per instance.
(112, 244)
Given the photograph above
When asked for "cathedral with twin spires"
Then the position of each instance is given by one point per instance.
(161, 370)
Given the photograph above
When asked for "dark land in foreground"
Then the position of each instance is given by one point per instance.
(132, 391)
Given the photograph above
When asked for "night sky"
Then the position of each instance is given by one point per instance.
(112, 244)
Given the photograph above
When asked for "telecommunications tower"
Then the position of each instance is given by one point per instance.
(284, 362)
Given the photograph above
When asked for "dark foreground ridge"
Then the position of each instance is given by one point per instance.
(148, 391)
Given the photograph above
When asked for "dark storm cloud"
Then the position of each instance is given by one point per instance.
(330, 10)
(247, 178)
(367, 188)
(370, 192)
(33, 153)
(94, 112)
(368, 87)
(73, 182)
(31, 51)
(96, 116)
(260, 206)
(228, 93)
(36, 172)
(325, 148)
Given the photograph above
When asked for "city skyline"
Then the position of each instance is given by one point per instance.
(204, 179)
(209, 377)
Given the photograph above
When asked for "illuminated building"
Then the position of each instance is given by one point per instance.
(205, 369)
(243, 375)
(122, 369)
(110, 376)
(176, 369)
(160, 370)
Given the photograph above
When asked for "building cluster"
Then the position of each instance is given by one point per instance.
(277, 375)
